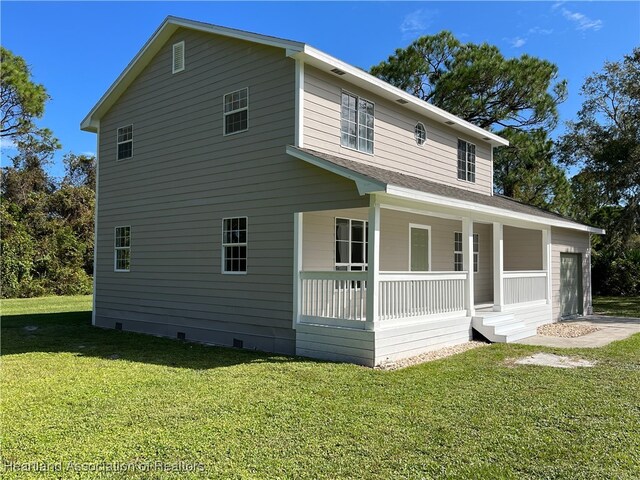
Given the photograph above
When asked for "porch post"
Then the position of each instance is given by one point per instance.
(297, 266)
(498, 266)
(546, 260)
(467, 263)
(373, 263)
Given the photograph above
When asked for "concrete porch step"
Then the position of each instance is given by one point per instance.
(501, 327)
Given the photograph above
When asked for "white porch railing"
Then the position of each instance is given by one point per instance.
(524, 287)
(409, 294)
(333, 295)
(340, 298)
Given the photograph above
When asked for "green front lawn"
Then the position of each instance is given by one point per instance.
(617, 306)
(74, 393)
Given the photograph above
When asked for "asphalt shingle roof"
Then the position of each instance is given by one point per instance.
(398, 179)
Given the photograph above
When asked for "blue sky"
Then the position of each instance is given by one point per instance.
(77, 49)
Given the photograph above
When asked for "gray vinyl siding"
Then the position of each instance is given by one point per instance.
(569, 241)
(395, 146)
(185, 177)
(522, 249)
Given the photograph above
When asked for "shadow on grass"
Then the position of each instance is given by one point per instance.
(72, 332)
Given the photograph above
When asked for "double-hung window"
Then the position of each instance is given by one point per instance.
(457, 252)
(234, 245)
(356, 123)
(122, 247)
(125, 142)
(236, 111)
(351, 244)
(466, 161)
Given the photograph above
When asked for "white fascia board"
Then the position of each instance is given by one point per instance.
(407, 193)
(152, 46)
(358, 76)
(364, 184)
(289, 45)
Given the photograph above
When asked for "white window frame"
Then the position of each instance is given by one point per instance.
(373, 127)
(422, 227)
(116, 249)
(469, 164)
(364, 265)
(415, 134)
(184, 57)
(225, 113)
(476, 252)
(223, 266)
(118, 142)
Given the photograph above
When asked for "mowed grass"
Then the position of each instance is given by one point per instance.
(617, 306)
(79, 394)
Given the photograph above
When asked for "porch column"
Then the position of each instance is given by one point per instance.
(498, 266)
(467, 264)
(297, 266)
(373, 263)
(546, 260)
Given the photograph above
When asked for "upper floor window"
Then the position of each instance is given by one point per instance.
(466, 161)
(178, 57)
(125, 142)
(236, 111)
(122, 249)
(420, 133)
(234, 245)
(351, 244)
(356, 123)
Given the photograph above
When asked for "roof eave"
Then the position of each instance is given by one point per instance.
(366, 184)
(363, 183)
(409, 193)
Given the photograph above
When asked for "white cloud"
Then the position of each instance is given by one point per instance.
(540, 31)
(581, 21)
(517, 42)
(417, 22)
(88, 154)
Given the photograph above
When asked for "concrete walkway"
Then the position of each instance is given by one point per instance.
(611, 329)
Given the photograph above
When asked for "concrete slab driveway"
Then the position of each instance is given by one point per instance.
(611, 329)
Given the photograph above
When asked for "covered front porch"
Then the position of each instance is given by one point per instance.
(404, 276)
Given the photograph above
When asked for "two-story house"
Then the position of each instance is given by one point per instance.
(259, 193)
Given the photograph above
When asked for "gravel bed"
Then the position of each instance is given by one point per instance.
(565, 330)
(430, 356)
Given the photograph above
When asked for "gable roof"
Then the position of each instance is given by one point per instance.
(293, 49)
(372, 179)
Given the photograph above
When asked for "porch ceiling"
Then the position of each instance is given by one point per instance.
(371, 179)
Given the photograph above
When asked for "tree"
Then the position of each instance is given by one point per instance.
(517, 97)
(47, 225)
(605, 141)
(525, 171)
(476, 82)
(21, 100)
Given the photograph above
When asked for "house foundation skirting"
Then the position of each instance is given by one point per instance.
(394, 342)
